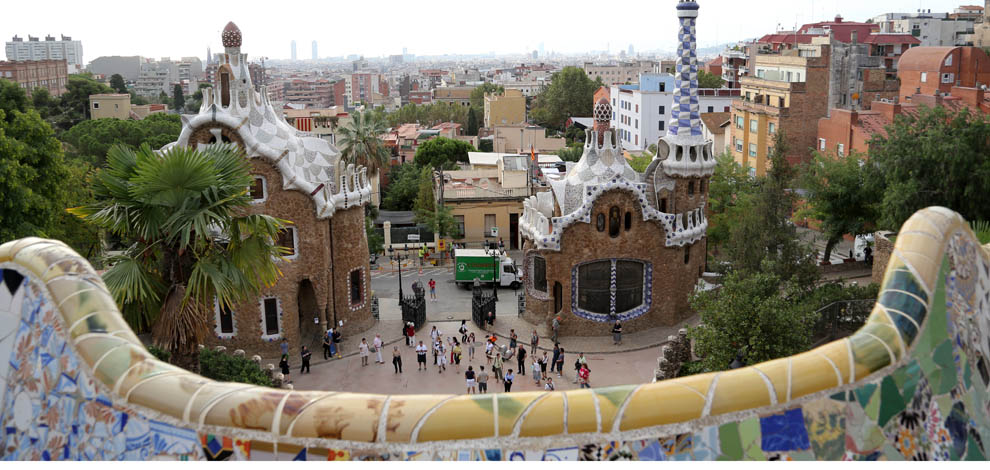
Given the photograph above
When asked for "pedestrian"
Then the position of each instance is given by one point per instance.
(471, 341)
(509, 377)
(489, 346)
(434, 333)
(378, 349)
(284, 365)
(583, 376)
(533, 342)
(284, 346)
(326, 345)
(363, 349)
(556, 327)
(441, 359)
(497, 366)
(513, 338)
(580, 361)
(435, 347)
(471, 382)
(549, 386)
(560, 363)
(463, 330)
(521, 360)
(335, 345)
(501, 246)
(556, 355)
(617, 333)
(457, 356)
(433, 289)
(306, 355)
(396, 360)
(482, 380)
(411, 334)
(421, 356)
(543, 365)
(536, 371)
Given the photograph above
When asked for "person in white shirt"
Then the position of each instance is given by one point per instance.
(421, 356)
(378, 349)
(441, 359)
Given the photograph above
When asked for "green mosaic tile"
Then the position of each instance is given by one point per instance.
(943, 358)
(967, 374)
(902, 279)
(802, 456)
(872, 409)
(864, 393)
(749, 433)
(973, 451)
(891, 401)
(729, 442)
(911, 376)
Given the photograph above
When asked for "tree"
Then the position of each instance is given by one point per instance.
(42, 101)
(839, 195)
(90, 140)
(764, 239)
(571, 153)
(402, 188)
(73, 105)
(478, 96)
(709, 80)
(571, 93)
(729, 190)
(442, 152)
(184, 214)
(360, 142)
(934, 158)
(138, 100)
(757, 313)
(33, 174)
(178, 101)
(117, 83)
(438, 217)
(472, 123)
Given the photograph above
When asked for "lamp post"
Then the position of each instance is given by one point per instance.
(493, 251)
(394, 256)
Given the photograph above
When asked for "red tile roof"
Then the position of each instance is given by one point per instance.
(891, 39)
(787, 38)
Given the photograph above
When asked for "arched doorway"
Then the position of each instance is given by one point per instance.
(309, 314)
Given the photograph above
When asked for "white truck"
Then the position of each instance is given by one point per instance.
(471, 264)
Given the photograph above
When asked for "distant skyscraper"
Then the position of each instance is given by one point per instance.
(542, 53)
(293, 49)
(632, 52)
(316, 54)
(209, 56)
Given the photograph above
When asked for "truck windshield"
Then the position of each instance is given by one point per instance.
(509, 269)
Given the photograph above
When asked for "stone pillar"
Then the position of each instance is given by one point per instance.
(387, 227)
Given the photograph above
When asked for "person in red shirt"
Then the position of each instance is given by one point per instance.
(583, 376)
(433, 290)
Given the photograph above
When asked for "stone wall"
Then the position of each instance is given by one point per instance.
(350, 253)
(673, 281)
(882, 249)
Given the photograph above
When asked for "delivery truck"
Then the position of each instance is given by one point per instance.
(471, 264)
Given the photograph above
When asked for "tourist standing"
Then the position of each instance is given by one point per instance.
(306, 355)
(457, 356)
(521, 360)
(556, 327)
(533, 342)
(513, 338)
(335, 345)
(363, 349)
(482, 380)
(549, 386)
(556, 355)
(378, 349)
(471, 341)
(509, 377)
(284, 365)
(463, 330)
(617, 333)
(434, 333)
(580, 361)
(396, 360)
(326, 346)
(469, 378)
(497, 366)
(560, 362)
(441, 358)
(584, 376)
(284, 346)
(489, 346)
(536, 371)
(543, 365)
(433, 289)
(411, 333)
(421, 356)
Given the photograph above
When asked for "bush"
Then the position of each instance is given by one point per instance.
(227, 368)
(159, 353)
(692, 368)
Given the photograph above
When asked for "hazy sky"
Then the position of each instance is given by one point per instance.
(375, 28)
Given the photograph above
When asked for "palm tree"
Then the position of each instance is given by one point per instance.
(360, 142)
(184, 213)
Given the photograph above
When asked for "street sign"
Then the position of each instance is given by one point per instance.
(413, 237)
(442, 245)
(494, 232)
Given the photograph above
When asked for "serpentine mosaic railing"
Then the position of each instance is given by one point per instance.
(911, 384)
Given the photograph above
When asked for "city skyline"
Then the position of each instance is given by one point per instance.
(265, 33)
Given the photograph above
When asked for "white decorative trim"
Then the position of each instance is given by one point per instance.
(295, 243)
(531, 276)
(216, 316)
(264, 326)
(364, 289)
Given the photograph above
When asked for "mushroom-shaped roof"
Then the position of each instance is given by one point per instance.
(231, 36)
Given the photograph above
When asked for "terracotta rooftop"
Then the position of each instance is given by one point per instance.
(885, 38)
(923, 59)
(714, 121)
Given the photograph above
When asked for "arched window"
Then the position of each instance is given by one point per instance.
(613, 222)
(611, 287)
(601, 222)
(663, 205)
(628, 221)
(225, 88)
(687, 254)
(690, 188)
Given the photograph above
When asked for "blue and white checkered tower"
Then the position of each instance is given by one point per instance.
(684, 149)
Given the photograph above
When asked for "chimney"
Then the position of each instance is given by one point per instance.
(887, 110)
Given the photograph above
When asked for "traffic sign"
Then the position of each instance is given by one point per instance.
(413, 237)
(442, 245)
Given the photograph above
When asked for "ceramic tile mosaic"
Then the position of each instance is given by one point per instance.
(912, 384)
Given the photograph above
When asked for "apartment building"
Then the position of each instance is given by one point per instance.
(521, 138)
(110, 105)
(641, 113)
(127, 67)
(787, 93)
(460, 95)
(933, 29)
(934, 70)
(361, 86)
(316, 93)
(50, 49)
(480, 199)
(30, 74)
(624, 72)
(506, 108)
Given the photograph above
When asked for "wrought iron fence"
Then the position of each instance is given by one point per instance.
(482, 307)
(841, 318)
(414, 308)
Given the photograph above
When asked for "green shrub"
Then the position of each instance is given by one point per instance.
(228, 368)
(691, 368)
(159, 353)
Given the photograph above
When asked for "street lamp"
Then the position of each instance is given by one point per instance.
(493, 251)
(396, 257)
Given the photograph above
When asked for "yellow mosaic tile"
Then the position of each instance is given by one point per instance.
(609, 401)
(299, 403)
(919, 243)
(739, 390)
(92, 347)
(116, 363)
(776, 371)
(663, 402)
(168, 395)
(811, 373)
(462, 417)
(250, 409)
(869, 351)
(153, 371)
(511, 407)
(38, 256)
(545, 418)
(581, 416)
(6, 251)
(404, 412)
(18, 245)
(208, 393)
(838, 353)
(74, 266)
